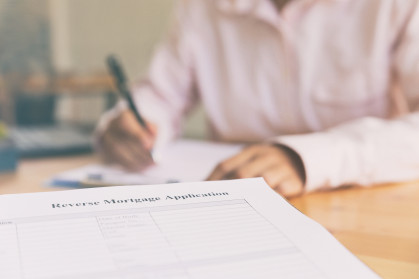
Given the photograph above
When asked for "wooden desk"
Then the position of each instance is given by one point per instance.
(380, 225)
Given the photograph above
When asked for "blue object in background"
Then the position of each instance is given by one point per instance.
(8, 155)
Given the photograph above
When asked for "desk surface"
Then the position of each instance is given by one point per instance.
(380, 225)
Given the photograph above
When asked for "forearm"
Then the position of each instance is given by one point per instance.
(365, 151)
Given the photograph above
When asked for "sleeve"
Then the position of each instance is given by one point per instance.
(371, 150)
(167, 93)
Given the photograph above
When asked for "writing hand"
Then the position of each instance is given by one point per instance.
(127, 143)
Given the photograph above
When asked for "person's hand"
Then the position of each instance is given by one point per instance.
(280, 166)
(127, 143)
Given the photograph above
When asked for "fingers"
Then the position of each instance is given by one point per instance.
(123, 156)
(125, 152)
(290, 188)
(127, 143)
(230, 167)
(126, 125)
(284, 180)
(269, 162)
(256, 167)
(251, 162)
(142, 155)
(274, 176)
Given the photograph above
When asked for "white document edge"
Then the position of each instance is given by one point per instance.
(331, 257)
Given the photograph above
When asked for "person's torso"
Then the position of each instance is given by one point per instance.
(318, 63)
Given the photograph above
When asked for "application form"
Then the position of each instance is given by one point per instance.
(223, 229)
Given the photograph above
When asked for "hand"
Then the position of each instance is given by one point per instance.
(280, 166)
(127, 143)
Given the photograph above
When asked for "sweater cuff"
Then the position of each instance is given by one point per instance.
(314, 151)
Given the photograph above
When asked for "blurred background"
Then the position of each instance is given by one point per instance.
(53, 81)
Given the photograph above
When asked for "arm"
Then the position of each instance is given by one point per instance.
(370, 150)
(163, 98)
(364, 151)
(167, 93)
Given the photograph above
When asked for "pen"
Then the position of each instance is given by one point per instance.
(121, 84)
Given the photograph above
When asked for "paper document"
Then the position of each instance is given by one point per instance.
(182, 161)
(225, 229)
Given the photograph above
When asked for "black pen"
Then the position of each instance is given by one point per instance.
(121, 84)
